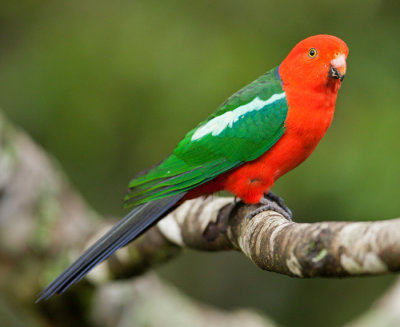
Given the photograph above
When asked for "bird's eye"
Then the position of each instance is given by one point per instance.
(312, 52)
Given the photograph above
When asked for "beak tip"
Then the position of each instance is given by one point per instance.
(334, 73)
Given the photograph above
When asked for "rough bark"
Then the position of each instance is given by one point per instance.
(328, 249)
(331, 249)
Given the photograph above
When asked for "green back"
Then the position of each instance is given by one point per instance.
(244, 127)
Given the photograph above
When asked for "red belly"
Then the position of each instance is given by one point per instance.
(305, 125)
(254, 178)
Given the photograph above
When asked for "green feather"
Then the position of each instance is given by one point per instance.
(243, 128)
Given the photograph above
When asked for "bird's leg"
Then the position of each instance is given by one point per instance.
(276, 198)
(272, 202)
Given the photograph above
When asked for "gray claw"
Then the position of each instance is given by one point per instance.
(274, 203)
(277, 199)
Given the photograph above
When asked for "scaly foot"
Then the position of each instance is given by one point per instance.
(272, 202)
(281, 203)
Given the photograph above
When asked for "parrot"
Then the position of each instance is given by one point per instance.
(257, 135)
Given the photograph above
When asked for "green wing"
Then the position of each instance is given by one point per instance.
(244, 127)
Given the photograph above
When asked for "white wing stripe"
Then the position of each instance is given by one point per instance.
(216, 125)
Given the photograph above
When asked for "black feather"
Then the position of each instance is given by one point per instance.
(127, 229)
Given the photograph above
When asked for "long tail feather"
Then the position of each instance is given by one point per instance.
(127, 229)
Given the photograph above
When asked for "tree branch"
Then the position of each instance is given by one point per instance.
(329, 249)
(333, 249)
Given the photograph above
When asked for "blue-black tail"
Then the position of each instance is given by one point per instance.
(127, 229)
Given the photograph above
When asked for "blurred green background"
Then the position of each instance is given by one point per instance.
(109, 88)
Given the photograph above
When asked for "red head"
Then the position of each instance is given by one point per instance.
(318, 63)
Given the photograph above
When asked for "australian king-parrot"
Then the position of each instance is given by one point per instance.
(258, 134)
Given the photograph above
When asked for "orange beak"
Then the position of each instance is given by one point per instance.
(337, 69)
